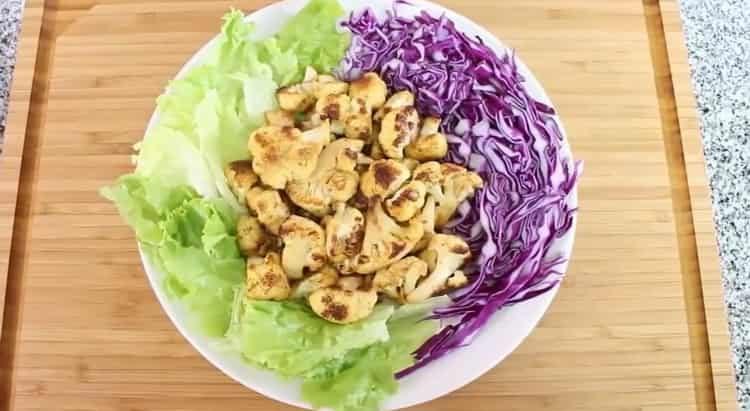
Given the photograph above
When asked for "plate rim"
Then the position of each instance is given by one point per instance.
(546, 299)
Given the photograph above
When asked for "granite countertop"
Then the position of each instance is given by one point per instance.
(717, 34)
(10, 21)
(718, 40)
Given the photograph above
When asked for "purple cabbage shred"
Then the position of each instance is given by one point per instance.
(495, 128)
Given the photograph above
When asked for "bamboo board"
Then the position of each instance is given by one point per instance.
(628, 331)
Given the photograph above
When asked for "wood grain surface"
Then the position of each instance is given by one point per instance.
(625, 333)
(15, 132)
(703, 236)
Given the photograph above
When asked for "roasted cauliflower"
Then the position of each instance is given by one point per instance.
(383, 178)
(266, 279)
(334, 178)
(281, 154)
(268, 206)
(346, 200)
(304, 246)
(343, 306)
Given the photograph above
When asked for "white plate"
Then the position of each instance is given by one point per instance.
(500, 336)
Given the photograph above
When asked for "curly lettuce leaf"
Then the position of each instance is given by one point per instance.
(343, 367)
(289, 338)
(178, 200)
(191, 240)
(366, 376)
(314, 36)
(205, 116)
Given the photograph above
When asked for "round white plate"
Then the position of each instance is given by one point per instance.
(505, 331)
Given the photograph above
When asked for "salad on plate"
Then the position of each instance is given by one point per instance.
(351, 198)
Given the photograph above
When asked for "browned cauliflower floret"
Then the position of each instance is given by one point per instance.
(444, 255)
(385, 240)
(281, 154)
(383, 178)
(371, 88)
(335, 108)
(343, 306)
(352, 282)
(427, 218)
(430, 144)
(302, 96)
(251, 237)
(334, 178)
(358, 123)
(398, 100)
(449, 184)
(326, 277)
(241, 178)
(459, 184)
(400, 278)
(407, 201)
(345, 231)
(268, 206)
(304, 246)
(398, 128)
(279, 118)
(266, 279)
(294, 98)
(325, 85)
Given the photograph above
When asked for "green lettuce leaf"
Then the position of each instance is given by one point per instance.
(289, 338)
(366, 376)
(343, 367)
(205, 116)
(177, 200)
(191, 240)
(314, 36)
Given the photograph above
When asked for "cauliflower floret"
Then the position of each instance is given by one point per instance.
(358, 123)
(281, 154)
(427, 219)
(298, 97)
(385, 240)
(430, 174)
(407, 201)
(371, 88)
(430, 145)
(458, 185)
(383, 178)
(376, 152)
(457, 279)
(326, 277)
(345, 231)
(251, 237)
(398, 128)
(241, 177)
(334, 178)
(326, 85)
(410, 163)
(266, 279)
(444, 255)
(335, 108)
(398, 100)
(304, 246)
(269, 207)
(351, 282)
(400, 278)
(343, 306)
(279, 118)
(450, 184)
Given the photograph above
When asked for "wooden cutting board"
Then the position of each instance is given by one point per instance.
(638, 324)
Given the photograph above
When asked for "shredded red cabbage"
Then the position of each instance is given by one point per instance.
(495, 128)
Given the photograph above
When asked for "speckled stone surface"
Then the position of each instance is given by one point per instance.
(717, 34)
(10, 23)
